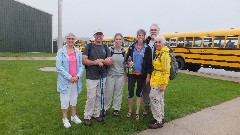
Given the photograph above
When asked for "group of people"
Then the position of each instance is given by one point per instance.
(146, 65)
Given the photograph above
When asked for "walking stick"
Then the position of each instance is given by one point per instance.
(102, 94)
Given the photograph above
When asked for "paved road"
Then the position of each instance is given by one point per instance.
(215, 76)
(223, 119)
(220, 72)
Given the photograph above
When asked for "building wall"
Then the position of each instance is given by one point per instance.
(24, 28)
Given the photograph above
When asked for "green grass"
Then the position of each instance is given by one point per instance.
(9, 54)
(30, 103)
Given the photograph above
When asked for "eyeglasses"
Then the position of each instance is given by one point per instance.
(71, 38)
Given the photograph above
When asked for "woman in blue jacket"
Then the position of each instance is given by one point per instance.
(69, 84)
(139, 59)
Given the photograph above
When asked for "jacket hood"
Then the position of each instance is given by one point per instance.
(164, 49)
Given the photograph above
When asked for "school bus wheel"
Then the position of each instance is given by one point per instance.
(193, 67)
(181, 63)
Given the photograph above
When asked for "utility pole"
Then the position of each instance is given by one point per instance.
(60, 42)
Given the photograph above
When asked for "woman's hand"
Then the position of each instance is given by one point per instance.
(130, 63)
(74, 79)
(162, 88)
(148, 79)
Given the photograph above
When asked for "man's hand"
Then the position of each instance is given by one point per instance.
(99, 62)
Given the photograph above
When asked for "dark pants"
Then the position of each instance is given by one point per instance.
(132, 79)
(146, 92)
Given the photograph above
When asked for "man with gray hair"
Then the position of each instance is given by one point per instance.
(154, 31)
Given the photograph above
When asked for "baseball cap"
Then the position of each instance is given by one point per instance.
(98, 31)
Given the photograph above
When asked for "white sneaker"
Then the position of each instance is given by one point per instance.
(76, 119)
(66, 123)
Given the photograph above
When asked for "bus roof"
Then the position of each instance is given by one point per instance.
(129, 38)
(104, 39)
(81, 40)
(204, 33)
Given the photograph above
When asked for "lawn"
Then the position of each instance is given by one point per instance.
(30, 103)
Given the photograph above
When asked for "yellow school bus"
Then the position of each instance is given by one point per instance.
(215, 49)
(128, 40)
(106, 41)
(80, 44)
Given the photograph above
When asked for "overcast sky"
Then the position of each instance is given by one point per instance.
(127, 16)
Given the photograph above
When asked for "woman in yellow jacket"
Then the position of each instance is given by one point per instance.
(159, 81)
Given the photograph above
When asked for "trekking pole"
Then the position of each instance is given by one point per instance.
(102, 94)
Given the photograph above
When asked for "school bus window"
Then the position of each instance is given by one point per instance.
(231, 42)
(173, 42)
(167, 41)
(180, 42)
(219, 41)
(207, 42)
(128, 40)
(127, 43)
(197, 42)
(188, 42)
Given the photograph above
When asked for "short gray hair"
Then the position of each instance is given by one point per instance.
(155, 25)
(160, 38)
(141, 31)
(70, 34)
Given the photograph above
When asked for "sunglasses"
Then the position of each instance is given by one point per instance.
(71, 38)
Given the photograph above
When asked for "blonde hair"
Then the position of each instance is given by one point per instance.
(117, 34)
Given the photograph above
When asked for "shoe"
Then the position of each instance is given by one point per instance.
(146, 110)
(115, 113)
(87, 122)
(76, 119)
(129, 114)
(153, 121)
(66, 123)
(137, 117)
(156, 125)
(99, 119)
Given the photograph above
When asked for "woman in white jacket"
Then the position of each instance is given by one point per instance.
(69, 84)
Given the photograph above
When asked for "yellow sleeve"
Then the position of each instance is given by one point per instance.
(165, 59)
